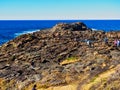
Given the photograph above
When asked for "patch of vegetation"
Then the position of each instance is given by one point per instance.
(94, 78)
(69, 60)
(72, 58)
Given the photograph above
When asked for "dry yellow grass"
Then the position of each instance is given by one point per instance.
(4, 84)
(66, 87)
(98, 79)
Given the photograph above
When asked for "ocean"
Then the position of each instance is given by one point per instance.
(9, 29)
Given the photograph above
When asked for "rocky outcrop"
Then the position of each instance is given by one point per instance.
(55, 57)
(73, 27)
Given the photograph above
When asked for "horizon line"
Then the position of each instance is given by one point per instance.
(50, 19)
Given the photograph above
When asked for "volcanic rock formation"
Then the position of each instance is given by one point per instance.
(60, 58)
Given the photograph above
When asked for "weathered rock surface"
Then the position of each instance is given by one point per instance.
(57, 56)
(73, 27)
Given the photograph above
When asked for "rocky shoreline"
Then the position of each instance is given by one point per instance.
(59, 57)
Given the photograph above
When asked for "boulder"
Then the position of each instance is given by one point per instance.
(73, 27)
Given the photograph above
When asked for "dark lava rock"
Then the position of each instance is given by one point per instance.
(73, 27)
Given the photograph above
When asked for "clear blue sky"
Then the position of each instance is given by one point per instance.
(59, 9)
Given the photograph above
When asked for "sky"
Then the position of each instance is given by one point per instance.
(59, 9)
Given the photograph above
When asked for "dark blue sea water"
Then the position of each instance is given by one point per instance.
(13, 28)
